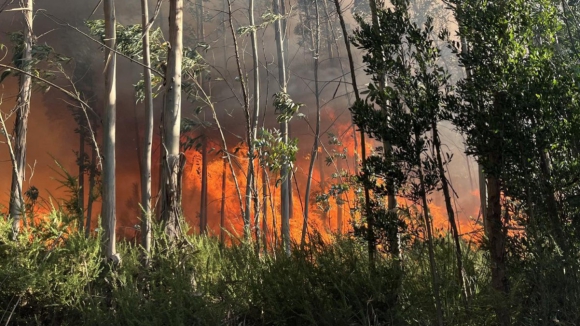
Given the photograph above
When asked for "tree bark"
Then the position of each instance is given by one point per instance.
(148, 137)
(265, 209)
(170, 202)
(108, 210)
(494, 221)
(16, 206)
(91, 199)
(339, 206)
(223, 204)
(285, 171)
(253, 127)
(320, 161)
(497, 243)
(81, 194)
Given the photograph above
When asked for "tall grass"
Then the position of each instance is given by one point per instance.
(53, 275)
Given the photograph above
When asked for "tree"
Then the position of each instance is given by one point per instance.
(148, 137)
(410, 109)
(375, 6)
(171, 162)
(251, 191)
(109, 211)
(283, 119)
(510, 108)
(23, 60)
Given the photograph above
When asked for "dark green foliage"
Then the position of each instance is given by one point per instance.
(54, 276)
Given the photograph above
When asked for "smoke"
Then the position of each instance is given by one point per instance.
(51, 129)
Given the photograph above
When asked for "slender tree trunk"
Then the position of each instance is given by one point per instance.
(276, 242)
(108, 210)
(81, 163)
(253, 126)
(328, 30)
(278, 6)
(450, 211)
(223, 204)
(370, 220)
(499, 280)
(171, 203)
(284, 29)
(320, 161)
(91, 199)
(203, 203)
(265, 187)
(428, 227)
(290, 187)
(314, 152)
(148, 137)
(497, 235)
(339, 206)
(246, 105)
(16, 206)
(257, 211)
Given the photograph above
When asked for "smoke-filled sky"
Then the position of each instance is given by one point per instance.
(51, 126)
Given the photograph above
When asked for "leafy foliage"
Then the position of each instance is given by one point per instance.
(130, 44)
(274, 151)
(57, 276)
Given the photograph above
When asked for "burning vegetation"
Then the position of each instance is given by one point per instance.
(289, 162)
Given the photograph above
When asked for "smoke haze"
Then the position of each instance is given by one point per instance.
(52, 127)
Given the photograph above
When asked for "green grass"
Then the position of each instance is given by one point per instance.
(55, 276)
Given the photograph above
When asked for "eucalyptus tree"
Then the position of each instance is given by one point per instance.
(171, 124)
(252, 126)
(22, 60)
(285, 193)
(109, 208)
(148, 137)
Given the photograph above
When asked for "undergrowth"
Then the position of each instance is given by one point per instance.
(53, 275)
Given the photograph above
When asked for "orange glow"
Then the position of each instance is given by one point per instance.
(325, 223)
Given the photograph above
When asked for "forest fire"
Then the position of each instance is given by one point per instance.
(329, 214)
(338, 157)
(200, 162)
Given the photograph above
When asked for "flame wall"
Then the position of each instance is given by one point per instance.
(51, 130)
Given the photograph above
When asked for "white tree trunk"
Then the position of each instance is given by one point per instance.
(285, 188)
(148, 137)
(253, 132)
(108, 210)
(170, 203)
(16, 207)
